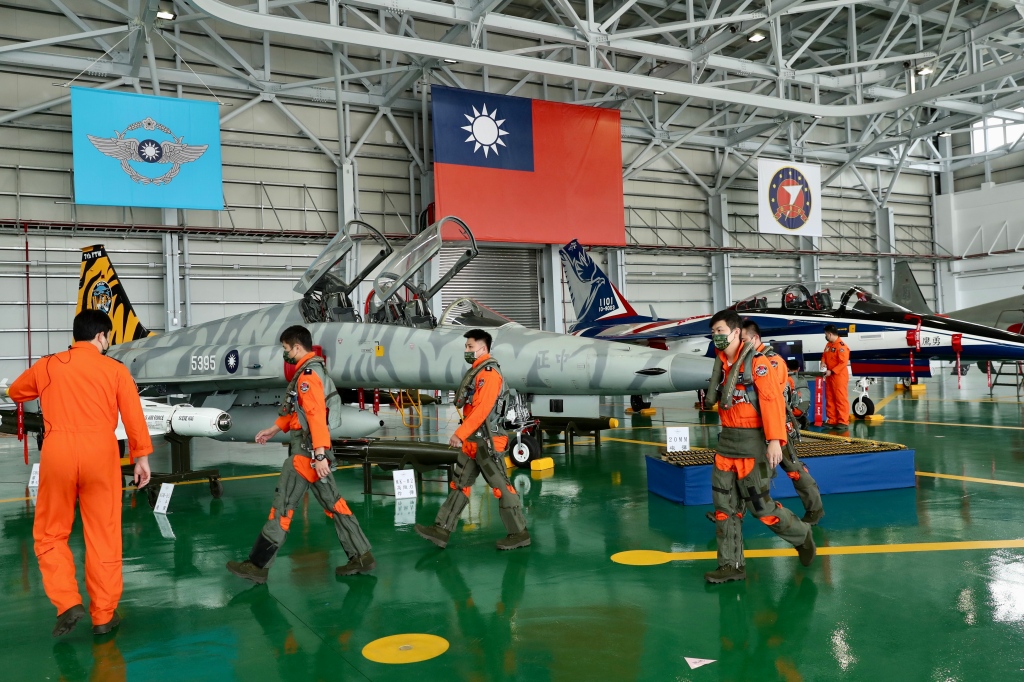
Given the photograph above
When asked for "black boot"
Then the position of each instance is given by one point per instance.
(67, 621)
(514, 540)
(109, 626)
(807, 551)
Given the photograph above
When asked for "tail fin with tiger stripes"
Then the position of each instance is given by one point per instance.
(99, 288)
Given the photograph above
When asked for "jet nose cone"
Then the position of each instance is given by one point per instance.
(690, 373)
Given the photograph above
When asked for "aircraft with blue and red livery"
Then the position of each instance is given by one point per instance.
(885, 339)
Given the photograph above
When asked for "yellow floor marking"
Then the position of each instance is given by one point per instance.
(885, 401)
(627, 440)
(411, 648)
(226, 478)
(970, 479)
(648, 557)
(971, 426)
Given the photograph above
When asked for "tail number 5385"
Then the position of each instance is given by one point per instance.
(204, 363)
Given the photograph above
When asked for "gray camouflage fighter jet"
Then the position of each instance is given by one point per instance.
(236, 361)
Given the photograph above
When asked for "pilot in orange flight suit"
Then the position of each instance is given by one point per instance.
(753, 415)
(837, 378)
(804, 484)
(482, 441)
(307, 469)
(81, 393)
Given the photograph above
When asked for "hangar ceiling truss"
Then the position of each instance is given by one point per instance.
(856, 85)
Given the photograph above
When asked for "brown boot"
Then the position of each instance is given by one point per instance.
(811, 518)
(514, 540)
(724, 574)
(364, 563)
(436, 534)
(807, 551)
(250, 571)
(67, 621)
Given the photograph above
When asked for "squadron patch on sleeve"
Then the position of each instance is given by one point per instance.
(774, 363)
(304, 386)
(760, 370)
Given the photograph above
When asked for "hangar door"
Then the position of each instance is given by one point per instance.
(503, 279)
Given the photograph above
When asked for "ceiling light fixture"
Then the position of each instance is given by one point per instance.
(756, 37)
(818, 116)
(166, 13)
(451, 61)
(925, 70)
(658, 92)
(945, 134)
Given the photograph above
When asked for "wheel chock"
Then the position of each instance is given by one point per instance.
(874, 419)
(917, 389)
(649, 412)
(539, 475)
(900, 388)
(508, 463)
(542, 464)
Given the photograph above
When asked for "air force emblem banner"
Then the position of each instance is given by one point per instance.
(788, 198)
(140, 150)
(522, 170)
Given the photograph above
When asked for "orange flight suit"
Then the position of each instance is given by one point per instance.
(837, 400)
(487, 390)
(80, 393)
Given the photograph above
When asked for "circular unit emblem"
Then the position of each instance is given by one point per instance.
(231, 361)
(102, 297)
(790, 198)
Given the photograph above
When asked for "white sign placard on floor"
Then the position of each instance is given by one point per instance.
(677, 438)
(33, 478)
(405, 484)
(695, 663)
(405, 511)
(164, 498)
(788, 198)
(165, 526)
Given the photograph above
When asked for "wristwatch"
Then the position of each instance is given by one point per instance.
(319, 458)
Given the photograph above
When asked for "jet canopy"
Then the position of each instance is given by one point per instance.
(466, 312)
(327, 283)
(817, 297)
(407, 271)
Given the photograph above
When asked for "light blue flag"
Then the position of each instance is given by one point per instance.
(140, 150)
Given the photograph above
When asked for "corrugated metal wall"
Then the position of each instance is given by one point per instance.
(505, 279)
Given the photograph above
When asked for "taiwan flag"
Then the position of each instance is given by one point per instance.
(522, 170)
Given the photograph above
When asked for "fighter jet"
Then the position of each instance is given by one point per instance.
(235, 364)
(885, 339)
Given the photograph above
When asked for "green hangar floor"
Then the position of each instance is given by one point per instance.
(561, 609)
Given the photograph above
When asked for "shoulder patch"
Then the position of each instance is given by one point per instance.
(304, 386)
(760, 370)
(775, 363)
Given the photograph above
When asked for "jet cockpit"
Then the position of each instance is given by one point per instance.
(327, 284)
(817, 298)
(406, 270)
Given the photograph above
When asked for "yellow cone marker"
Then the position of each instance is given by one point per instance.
(411, 648)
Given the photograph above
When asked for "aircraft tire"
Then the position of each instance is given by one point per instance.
(216, 488)
(524, 451)
(863, 407)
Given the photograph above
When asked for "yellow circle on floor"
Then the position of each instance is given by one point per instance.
(411, 648)
(642, 557)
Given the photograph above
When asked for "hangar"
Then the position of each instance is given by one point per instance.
(828, 146)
